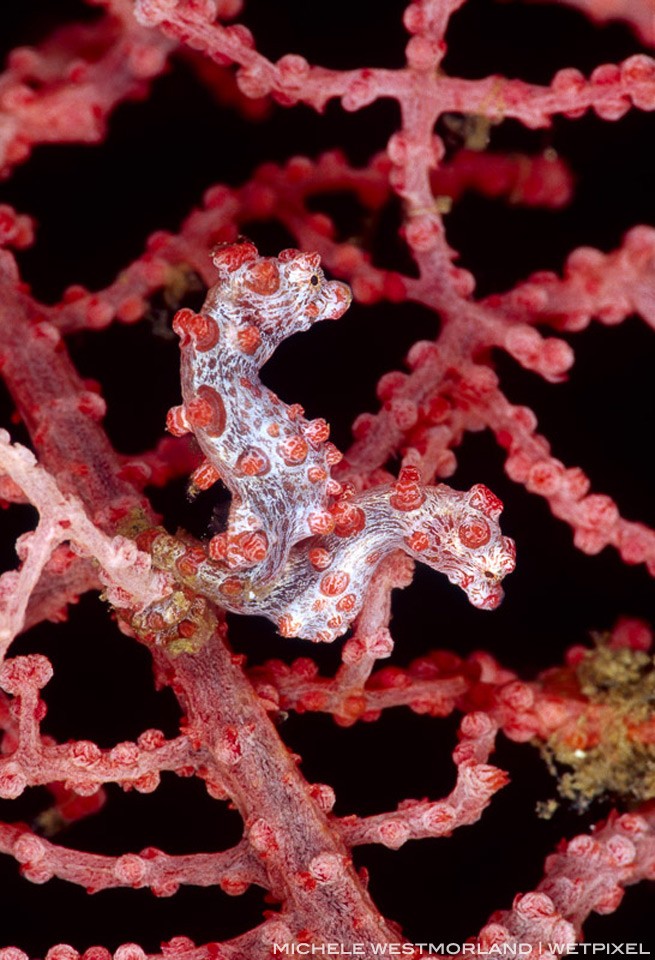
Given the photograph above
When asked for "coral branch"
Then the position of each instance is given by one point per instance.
(308, 868)
(59, 92)
(477, 782)
(126, 572)
(587, 875)
(231, 870)
(314, 541)
(80, 764)
(638, 13)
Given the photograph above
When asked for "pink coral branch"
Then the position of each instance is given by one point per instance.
(638, 13)
(587, 874)
(431, 686)
(594, 518)
(477, 782)
(607, 287)
(312, 544)
(232, 870)
(64, 89)
(84, 767)
(126, 573)
(372, 639)
(308, 868)
(438, 684)
(65, 578)
(611, 91)
(256, 944)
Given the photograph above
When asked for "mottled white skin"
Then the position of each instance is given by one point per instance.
(317, 547)
(244, 306)
(300, 607)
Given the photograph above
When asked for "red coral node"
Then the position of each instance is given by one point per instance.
(249, 339)
(22, 673)
(263, 278)
(349, 519)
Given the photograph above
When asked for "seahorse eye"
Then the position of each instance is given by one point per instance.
(314, 280)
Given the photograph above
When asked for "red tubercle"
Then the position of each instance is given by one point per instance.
(483, 499)
(317, 431)
(474, 534)
(176, 422)
(249, 339)
(263, 277)
(199, 329)
(417, 541)
(252, 546)
(190, 561)
(347, 603)
(407, 493)
(146, 538)
(349, 519)
(205, 476)
(332, 584)
(316, 474)
(293, 450)
(332, 454)
(218, 547)
(232, 587)
(231, 256)
(253, 462)
(319, 558)
(320, 522)
(207, 411)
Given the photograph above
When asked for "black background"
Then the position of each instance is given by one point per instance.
(95, 206)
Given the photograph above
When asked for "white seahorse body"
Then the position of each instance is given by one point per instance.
(324, 582)
(298, 549)
(266, 452)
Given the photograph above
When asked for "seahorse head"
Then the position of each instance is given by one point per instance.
(458, 534)
(267, 299)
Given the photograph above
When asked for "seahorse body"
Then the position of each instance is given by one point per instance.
(324, 582)
(298, 548)
(266, 452)
(323, 587)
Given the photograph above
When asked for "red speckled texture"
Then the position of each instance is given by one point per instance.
(460, 127)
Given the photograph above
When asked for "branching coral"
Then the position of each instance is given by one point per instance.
(314, 540)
